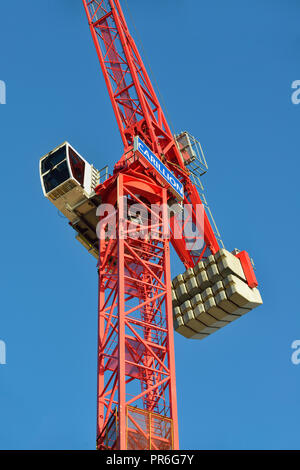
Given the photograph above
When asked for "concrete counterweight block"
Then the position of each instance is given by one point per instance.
(188, 274)
(212, 270)
(240, 293)
(196, 300)
(212, 309)
(176, 312)
(201, 275)
(208, 320)
(207, 294)
(224, 303)
(213, 273)
(185, 307)
(257, 296)
(178, 280)
(182, 329)
(182, 293)
(175, 301)
(217, 287)
(202, 281)
(229, 264)
(209, 261)
(192, 286)
(198, 268)
(191, 322)
(199, 336)
(233, 311)
(180, 289)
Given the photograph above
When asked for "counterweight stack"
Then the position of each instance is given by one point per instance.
(211, 295)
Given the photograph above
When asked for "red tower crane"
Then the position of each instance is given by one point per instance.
(136, 368)
(136, 392)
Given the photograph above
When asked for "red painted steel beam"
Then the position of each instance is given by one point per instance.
(247, 268)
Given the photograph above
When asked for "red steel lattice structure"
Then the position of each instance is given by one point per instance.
(136, 399)
(136, 365)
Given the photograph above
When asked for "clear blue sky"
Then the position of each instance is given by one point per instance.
(225, 70)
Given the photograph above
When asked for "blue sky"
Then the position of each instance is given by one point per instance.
(225, 71)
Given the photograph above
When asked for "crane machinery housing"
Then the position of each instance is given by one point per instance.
(127, 221)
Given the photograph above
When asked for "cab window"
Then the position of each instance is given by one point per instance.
(56, 157)
(56, 177)
(77, 166)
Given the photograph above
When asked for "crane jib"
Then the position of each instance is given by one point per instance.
(162, 170)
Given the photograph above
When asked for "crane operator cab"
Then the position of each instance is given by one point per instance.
(68, 182)
(67, 179)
